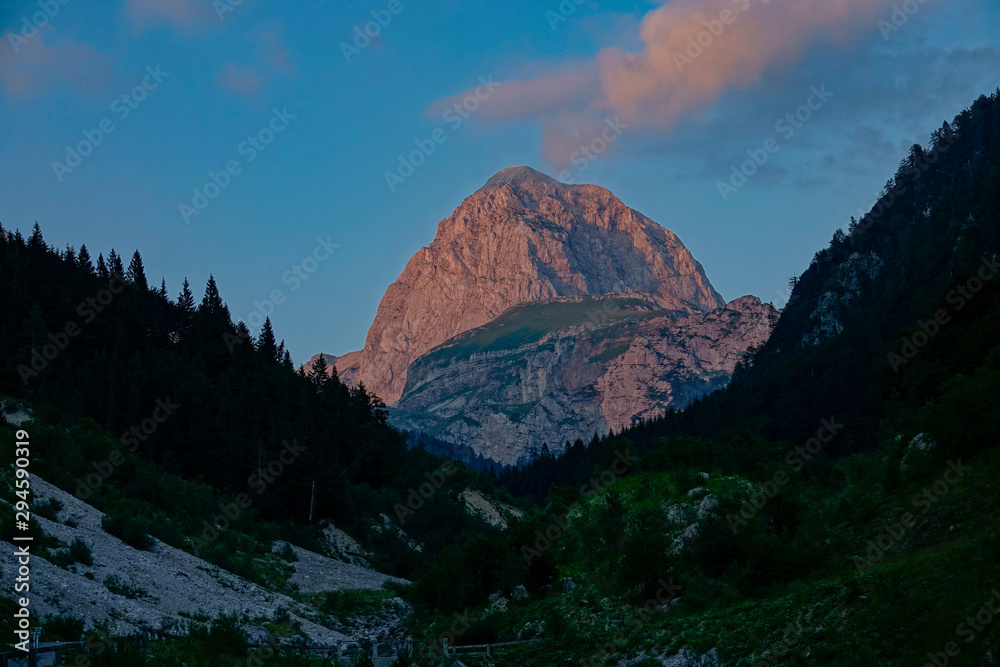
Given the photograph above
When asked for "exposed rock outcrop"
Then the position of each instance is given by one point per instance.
(512, 385)
(523, 237)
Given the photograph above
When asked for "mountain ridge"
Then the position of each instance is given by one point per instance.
(521, 237)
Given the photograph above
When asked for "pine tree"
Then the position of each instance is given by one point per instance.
(212, 301)
(70, 254)
(163, 289)
(320, 372)
(265, 342)
(213, 308)
(102, 268)
(83, 259)
(137, 273)
(185, 302)
(115, 266)
(35, 241)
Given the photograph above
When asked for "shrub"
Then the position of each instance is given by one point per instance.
(118, 586)
(130, 529)
(287, 553)
(63, 629)
(48, 508)
(79, 552)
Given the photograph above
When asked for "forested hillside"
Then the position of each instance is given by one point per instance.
(837, 504)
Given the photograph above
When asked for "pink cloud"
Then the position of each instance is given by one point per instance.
(187, 16)
(272, 48)
(40, 66)
(668, 78)
(272, 60)
(519, 100)
(244, 81)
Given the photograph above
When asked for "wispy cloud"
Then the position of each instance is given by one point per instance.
(692, 52)
(272, 59)
(52, 61)
(189, 17)
(241, 80)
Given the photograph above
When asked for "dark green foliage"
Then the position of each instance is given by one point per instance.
(130, 528)
(118, 586)
(62, 629)
(287, 553)
(79, 552)
(48, 508)
(238, 407)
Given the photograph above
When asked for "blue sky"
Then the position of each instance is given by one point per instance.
(336, 122)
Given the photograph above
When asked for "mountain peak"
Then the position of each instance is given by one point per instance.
(517, 176)
(523, 238)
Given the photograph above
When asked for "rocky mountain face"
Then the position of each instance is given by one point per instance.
(545, 312)
(609, 361)
(523, 237)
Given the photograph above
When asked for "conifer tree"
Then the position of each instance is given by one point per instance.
(320, 372)
(83, 259)
(35, 241)
(115, 266)
(265, 342)
(137, 273)
(186, 299)
(212, 301)
(102, 268)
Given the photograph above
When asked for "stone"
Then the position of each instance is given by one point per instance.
(709, 505)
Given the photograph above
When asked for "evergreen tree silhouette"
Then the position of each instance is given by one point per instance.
(83, 259)
(137, 273)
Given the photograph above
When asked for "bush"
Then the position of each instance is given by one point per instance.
(287, 553)
(130, 529)
(48, 508)
(62, 629)
(79, 552)
(118, 586)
